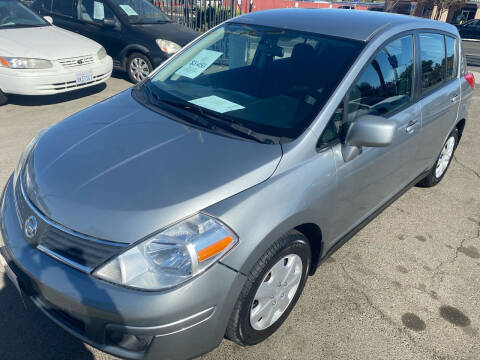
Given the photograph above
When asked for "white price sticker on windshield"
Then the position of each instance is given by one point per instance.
(129, 10)
(217, 104)
(199, 63)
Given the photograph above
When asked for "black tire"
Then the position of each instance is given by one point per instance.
(142, 63)
(431, 179)
(239, 328)
(3, 98)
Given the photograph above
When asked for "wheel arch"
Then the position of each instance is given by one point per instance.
(314, 235)
(133, 48)
(460, 125)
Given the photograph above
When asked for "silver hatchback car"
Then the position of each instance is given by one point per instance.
(195, 205)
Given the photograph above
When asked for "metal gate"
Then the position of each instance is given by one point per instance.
(199, 15)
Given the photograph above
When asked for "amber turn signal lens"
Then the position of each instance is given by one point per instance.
(213, 249)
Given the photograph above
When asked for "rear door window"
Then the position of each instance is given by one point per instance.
(432, 55)
(63, 7)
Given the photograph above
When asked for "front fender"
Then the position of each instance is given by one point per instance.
(261, 214)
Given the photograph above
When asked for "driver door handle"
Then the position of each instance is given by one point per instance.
(411, 126)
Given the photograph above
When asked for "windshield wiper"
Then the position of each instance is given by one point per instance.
(22, 25)
(223, 122)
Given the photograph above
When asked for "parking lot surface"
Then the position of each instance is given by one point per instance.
(405, 287)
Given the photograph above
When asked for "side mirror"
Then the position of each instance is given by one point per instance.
(110, 23)
(48, 19)
(370, 131)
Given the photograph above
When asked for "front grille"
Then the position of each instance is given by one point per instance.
(77, 61)
(75, 249)
(87, 253)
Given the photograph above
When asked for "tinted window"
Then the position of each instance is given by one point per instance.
(273, 81)
(386, 83)
(141, 11)
(432, 54)
(451, 63)
(64, 7)
(95, 11)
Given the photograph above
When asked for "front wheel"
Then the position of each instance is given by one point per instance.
(138, 67)
(443, 161)
(271, 291)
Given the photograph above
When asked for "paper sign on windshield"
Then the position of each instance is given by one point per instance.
(98, 10)
(217, 104)
(199, 63)
(129, 10)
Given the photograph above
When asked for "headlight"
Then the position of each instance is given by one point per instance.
(26, 153)
(102, 53)
(168, 46)
(171, 257)
(24, 63)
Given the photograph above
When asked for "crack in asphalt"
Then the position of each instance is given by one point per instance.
(476, 173)
(437, 271)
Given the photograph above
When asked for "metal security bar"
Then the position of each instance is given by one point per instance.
(199, 15)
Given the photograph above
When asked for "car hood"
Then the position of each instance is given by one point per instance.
(119, 171)
(168, 31)
(46, 42)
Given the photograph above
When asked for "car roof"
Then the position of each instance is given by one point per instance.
(352, 24)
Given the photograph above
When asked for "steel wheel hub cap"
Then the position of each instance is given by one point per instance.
(139, 69)
(276, 292)
(445, 157)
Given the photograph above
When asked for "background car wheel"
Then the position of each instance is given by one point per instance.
(138, 67)
(3, 98)
(443, 161)
(271, 291)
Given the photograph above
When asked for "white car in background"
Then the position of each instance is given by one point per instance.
(37, 58)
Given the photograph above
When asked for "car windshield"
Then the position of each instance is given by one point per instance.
(264, 80)
(141, 12)
(15, 14)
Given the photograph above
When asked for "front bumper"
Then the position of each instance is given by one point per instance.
(52, 81)
(178, 324)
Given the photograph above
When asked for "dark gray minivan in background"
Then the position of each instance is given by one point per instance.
(136, 34)
(194, 205)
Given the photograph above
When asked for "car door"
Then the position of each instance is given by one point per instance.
(98, 22)
(440, 91)
(384, 88)
(62, 13)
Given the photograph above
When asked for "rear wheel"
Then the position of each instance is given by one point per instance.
(138, 67)
(443, 161)
(3, 98)
(271, 291)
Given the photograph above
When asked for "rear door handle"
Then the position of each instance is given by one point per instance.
(411, 126)
(454, 98)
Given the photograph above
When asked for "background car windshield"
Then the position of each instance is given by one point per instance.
(141, 12)
(15, 14)
(273, 81)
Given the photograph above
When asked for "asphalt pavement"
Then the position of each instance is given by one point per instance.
(405, 287)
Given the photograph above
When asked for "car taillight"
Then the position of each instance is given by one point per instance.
(470, 79)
